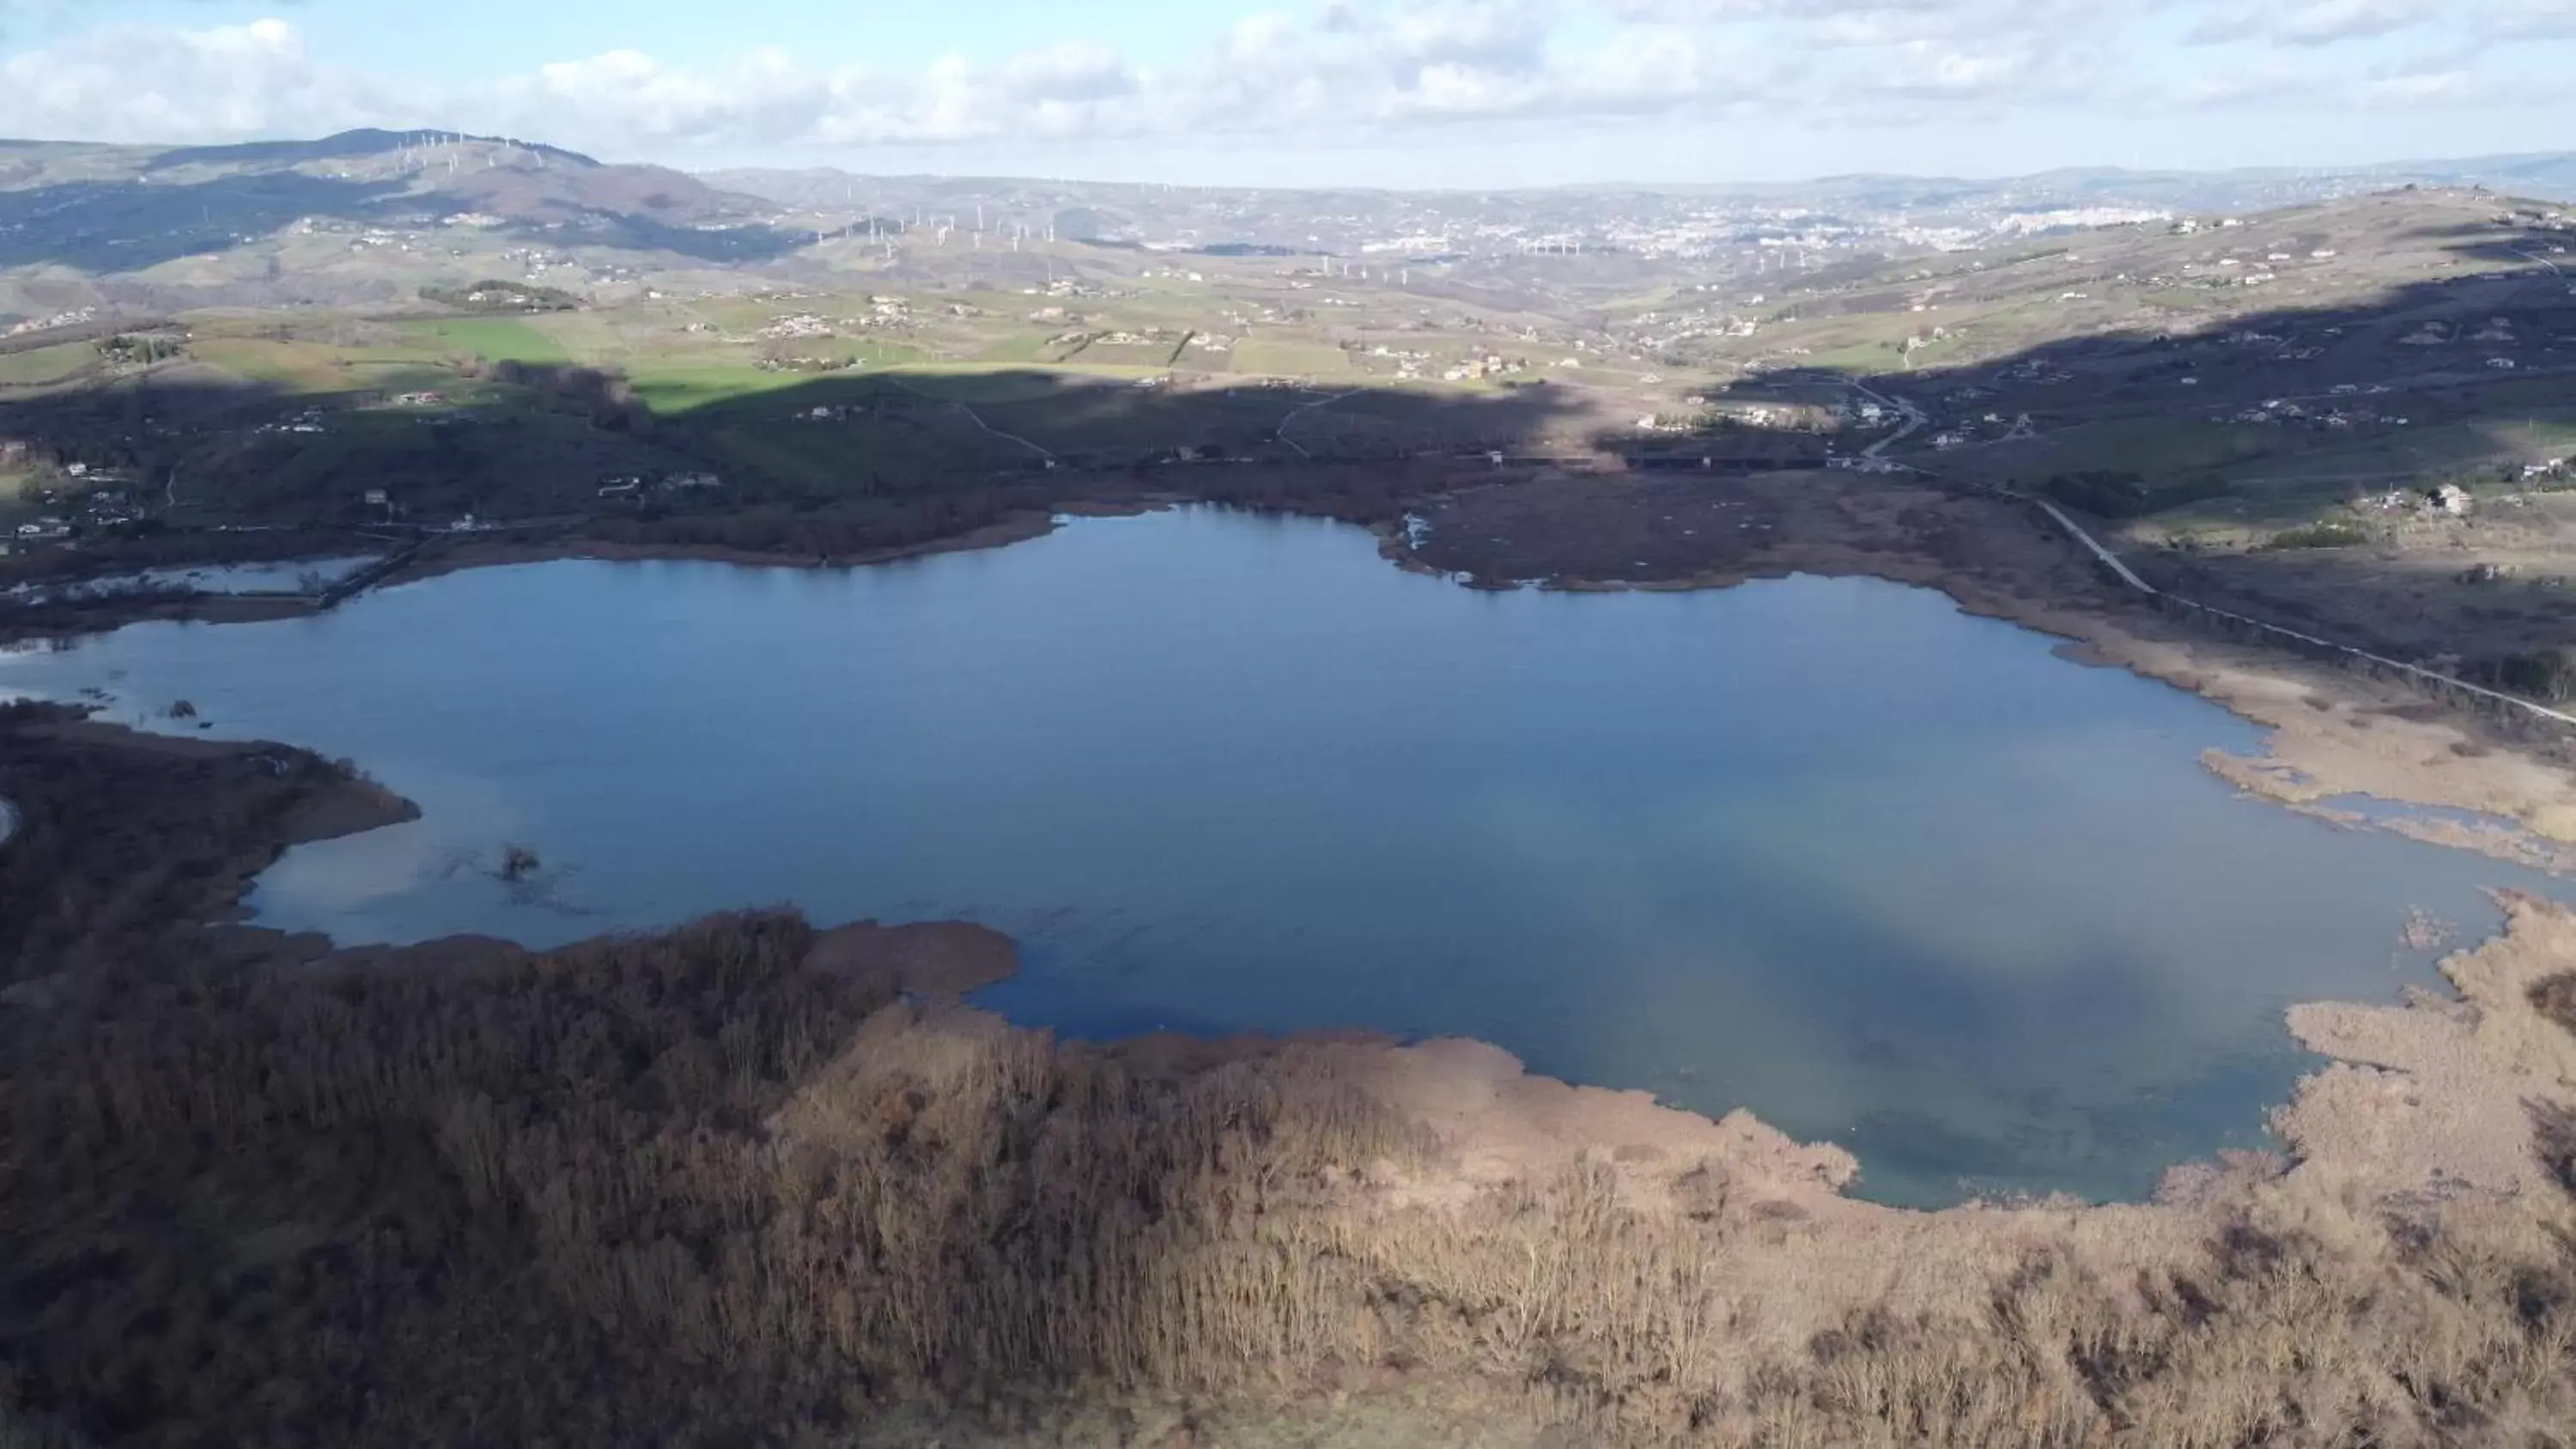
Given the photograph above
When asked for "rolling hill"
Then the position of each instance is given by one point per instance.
(281, 222)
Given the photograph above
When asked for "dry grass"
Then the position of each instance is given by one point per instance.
(688, 1190)
(686, 1182)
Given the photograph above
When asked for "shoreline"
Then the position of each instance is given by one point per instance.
(471, 553)
(1474, 1219)
(2329, 733)
(1479, 1093)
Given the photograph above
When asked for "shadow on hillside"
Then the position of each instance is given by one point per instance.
(1027, 417)
(849, 464)
(2266, 419)
(128, 226)
(121, 226)
(828, 468)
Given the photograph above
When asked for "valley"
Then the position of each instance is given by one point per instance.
(789, 808)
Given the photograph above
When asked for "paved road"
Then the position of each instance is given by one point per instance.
(1914, 420)
(2415, 671)
(2109, 559)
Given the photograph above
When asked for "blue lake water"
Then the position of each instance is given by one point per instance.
(1886, 874)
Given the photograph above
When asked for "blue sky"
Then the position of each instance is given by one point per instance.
(1392, 92)
(452, 39)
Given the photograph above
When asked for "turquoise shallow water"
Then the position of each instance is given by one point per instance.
(1828, 849)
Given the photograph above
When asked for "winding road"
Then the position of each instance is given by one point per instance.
(1914, 420)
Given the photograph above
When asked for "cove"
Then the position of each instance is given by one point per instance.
(1826, 849)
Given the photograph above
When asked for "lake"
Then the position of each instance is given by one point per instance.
(1884, 873)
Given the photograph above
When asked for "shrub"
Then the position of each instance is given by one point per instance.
(2315, 535)
(2543, 674)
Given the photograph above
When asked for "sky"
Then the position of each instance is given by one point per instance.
(1473, 93)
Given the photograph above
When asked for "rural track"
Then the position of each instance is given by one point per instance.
(2141, 587)
(1281, 432)
(2129, 578)
(973, 417)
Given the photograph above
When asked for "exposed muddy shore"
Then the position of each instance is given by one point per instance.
(2333, 732)
(2462, 1057)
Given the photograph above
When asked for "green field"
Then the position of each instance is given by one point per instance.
(45, 364)
(496, 339)
(1286, 357)
(1857, 358)
(318, 367)
(1027, 349)
(685, 388)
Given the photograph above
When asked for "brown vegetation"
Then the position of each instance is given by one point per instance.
(2555, 998)
(123, 838)
(724, 1186)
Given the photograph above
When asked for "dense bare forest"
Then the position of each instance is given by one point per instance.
(696, 1189)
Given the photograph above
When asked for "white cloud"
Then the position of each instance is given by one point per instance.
(1326, 70)
(2320, 22)
(2529, 20)
(2420, 87)
(136, 82)
(2323, 22)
